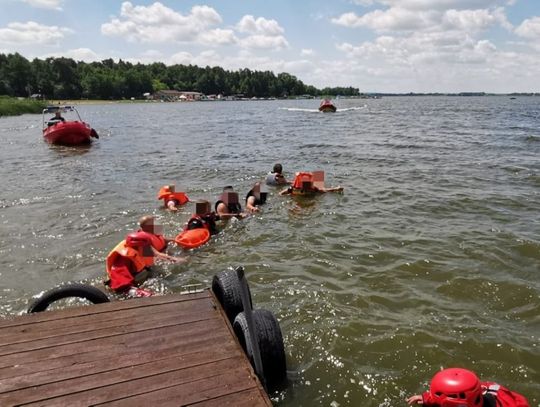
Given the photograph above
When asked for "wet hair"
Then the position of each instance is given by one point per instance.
(277, 168)
(228, 188)
(147, 220)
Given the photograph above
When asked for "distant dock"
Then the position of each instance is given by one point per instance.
(172, 350)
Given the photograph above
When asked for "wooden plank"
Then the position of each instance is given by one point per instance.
(131, 386)
(105, 329)
(91, 322)
(207, 345)
(116, 344)
(75, 312)
(245, 398)
(197, 390)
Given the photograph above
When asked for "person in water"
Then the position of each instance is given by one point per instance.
(158, 242)
(203, 218)
(255, 198)
(57, 118)
(457, 387)
(172, 199)
(306, 183)
(276, 177)
(228, 205)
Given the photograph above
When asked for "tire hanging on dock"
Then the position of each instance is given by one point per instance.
(270, 340)
(226, 288)
(87, 292)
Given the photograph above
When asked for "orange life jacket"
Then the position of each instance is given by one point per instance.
(122, 259)
(297, 186)
(166, 194)
(158, 242)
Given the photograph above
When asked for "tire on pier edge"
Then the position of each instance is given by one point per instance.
(271, 346)
(87, 292)
(226, 288)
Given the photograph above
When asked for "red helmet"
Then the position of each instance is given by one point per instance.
(137, 239)
(456, 387)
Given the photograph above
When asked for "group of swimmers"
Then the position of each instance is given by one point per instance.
(129, 263)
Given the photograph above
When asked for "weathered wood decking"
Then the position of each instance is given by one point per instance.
(173, 350)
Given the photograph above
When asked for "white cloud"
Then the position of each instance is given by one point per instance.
(263, 33)
(442, 5)
(49, 4)
(264, 42)
(32, 33)
(217, 36)
(529, 28)
(393, 19)
(307, 52)
(402, 19)
(261, 26)
(160, 24)
(78, 54)
(474, 20)
(364, 3)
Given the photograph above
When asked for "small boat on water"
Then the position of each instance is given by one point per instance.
(327, 106)
(59, 130)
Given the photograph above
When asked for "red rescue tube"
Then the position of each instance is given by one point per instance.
(190, 239)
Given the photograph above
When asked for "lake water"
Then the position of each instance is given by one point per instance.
(430, 257)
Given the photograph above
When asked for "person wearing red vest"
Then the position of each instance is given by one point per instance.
(304, 184)
(172, 199)
(457, 387)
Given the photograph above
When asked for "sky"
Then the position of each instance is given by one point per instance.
(373, 45)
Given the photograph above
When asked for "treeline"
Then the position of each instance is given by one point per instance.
(64, 78)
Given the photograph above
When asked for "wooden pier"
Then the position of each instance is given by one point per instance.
(172, 350)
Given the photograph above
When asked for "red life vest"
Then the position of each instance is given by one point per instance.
(503, 396)
(158, 242)
(298, 184)
(125, 266)
(167, 195)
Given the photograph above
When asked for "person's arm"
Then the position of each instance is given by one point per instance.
(250, 205)
(286, 191)
(165, 256)
(223, 212)
(333, 189)
(416, 399)
(171, 205)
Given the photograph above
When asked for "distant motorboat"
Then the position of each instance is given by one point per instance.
(327, 106)
(66, 132)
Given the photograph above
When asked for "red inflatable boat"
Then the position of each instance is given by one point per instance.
(59, 130)
(327, 106)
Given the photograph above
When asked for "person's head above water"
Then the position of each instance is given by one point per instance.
(278, 168)
(147, 224)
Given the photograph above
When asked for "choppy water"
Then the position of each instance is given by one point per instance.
(430, 258)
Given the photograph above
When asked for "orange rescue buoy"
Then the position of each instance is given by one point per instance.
(190, 239)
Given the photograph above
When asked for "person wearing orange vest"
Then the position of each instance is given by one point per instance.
(172, 199)
(457, 387)
(304, 184)
(129, 263)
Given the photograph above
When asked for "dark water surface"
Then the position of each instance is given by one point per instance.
(430, 258)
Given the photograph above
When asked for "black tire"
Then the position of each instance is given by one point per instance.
(226, 288)
(87, 292)
(270, 344)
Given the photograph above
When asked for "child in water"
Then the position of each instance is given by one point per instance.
(255, 197)
(456, 387)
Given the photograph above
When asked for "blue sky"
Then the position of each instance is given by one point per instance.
(374, 45)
